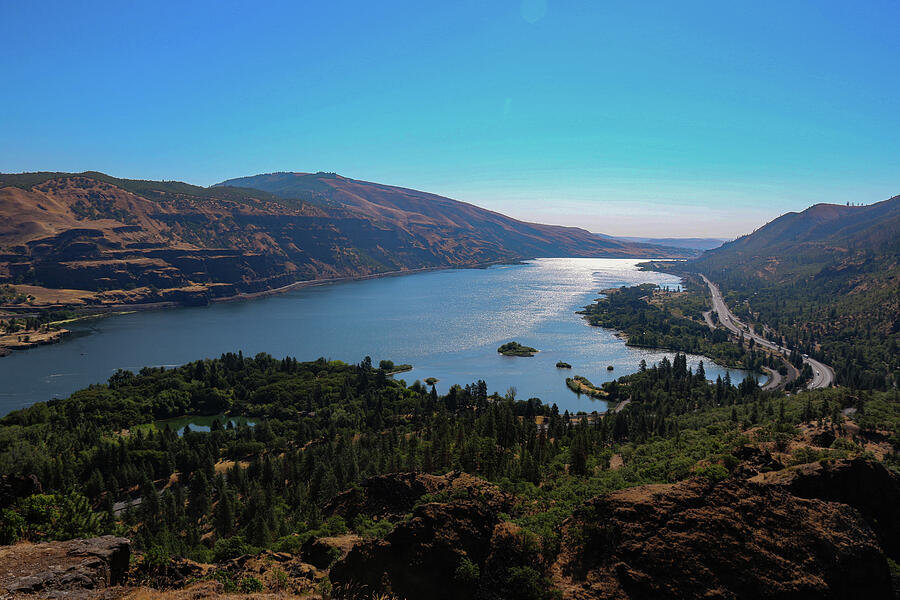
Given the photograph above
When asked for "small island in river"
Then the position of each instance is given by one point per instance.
(582, 385)
(516, 349)
(563, 365)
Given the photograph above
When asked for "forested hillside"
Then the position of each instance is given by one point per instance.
(653, 318)
(827, 280)
(104, 460)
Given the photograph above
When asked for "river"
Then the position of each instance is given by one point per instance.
(447, 324)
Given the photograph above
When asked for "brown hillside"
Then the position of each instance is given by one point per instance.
(435, 218)
(145, 241)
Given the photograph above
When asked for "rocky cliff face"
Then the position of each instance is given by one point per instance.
(426, 555)
(420, 557)
(813, 531)
(866, 486)
(742, 538)
(817, 531)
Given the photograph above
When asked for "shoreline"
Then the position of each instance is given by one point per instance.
(385, 290)
(317, 282)
(138, 306)
(18, 311)
(83, 313)
(35, 339)
(624, 337)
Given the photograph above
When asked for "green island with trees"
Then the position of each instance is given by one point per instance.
(563, 365)
(516, 349)
(582, 385)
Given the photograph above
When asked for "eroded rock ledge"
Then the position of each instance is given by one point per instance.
(73, 569)
(796, 533)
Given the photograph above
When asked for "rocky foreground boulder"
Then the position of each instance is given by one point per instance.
(822, 530)
(73, 569)
(864, 485)
(814, 531)
(447, 548)
(736, 539)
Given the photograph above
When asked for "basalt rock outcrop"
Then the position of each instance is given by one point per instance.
(322, 552)
(394, 495)
(736, 539)
(754, 461)
(822, 530)
(814, 531)
(276, 570)
(74, 569)
(420, 557)
(866, 486)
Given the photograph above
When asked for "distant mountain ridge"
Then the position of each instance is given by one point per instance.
(691, 243)
(824, 240)
(872, 225)
(147, 241)
(430, 216)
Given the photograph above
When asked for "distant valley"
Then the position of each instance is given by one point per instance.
(826, 280)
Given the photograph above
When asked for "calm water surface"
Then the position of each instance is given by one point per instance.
(201, 422)
(448, 324)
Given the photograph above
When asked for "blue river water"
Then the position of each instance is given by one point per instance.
(447, 324)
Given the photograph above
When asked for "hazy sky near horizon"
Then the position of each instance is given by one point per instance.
(628, 118)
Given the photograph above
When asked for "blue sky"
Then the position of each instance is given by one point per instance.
(629, 118)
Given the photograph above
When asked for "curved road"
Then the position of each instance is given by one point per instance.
(823, 375)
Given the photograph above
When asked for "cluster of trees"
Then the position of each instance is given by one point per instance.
(42, 322)
(321, 427)
(108, 464)
(837, 302)
(858, 334)
(673, 322)
(9, 295)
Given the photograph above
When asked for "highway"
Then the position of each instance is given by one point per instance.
(823, 375)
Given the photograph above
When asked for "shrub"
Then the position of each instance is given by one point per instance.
(290, 543)
(526, 583)
(334, 526)
(155, 558)
(369, 528)
(233, 547)
(467, 572)
(12, 527)
(714, 473)
(248, 585)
